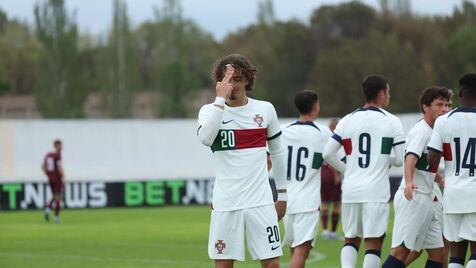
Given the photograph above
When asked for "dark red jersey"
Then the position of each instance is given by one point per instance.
(52, 163)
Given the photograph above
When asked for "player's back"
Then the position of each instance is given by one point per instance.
(304, 143)
(457, 131)
(368, 136)
(51, 162)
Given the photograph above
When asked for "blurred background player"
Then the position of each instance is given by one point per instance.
(454, 138)
(330, 195)
(304, 141)
(237, 129)
(368, 135)
(54, 171)
(416, 226)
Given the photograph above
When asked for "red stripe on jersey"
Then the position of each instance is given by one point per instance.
(447, 152)
(347, 143)
(434, 169)
(250, 138)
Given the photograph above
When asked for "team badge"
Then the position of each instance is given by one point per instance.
(258, 120)
(220, 246)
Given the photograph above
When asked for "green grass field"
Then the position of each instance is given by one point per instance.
(142, 237)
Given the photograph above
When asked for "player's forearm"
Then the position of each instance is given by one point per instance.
(330, 155)
(433, 157)
(277, 155)
(409, 168)
(208, 130)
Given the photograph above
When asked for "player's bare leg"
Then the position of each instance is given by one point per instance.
(373, 248)
(300, 254)
(224, 263)
(435, 257)
(270, 263)
(348, 256)
(412, 257)
(458, 254)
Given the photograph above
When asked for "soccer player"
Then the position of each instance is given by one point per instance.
(368, 136)
(437, 198)
(305, 141)
(416, 226)
(54, 171)
(331, 195)
(237, 129)
(454, 138)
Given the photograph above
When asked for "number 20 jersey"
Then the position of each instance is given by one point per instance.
(454, 135)
(239, 154)
(368, 136)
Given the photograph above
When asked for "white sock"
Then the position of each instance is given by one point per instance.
(348, 257)
(471, 264)
(371, 261)
(455, 265)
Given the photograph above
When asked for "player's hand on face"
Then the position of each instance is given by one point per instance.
(280, 209)
(408, 192)
(224, 88)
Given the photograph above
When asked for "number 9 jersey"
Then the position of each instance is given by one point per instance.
(368, 136)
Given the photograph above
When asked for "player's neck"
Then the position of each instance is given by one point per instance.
(464, 103)
(306, 118)
(373, 104)
(429, 120)
(243, 100)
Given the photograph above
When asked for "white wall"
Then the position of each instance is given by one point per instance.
(113, 150)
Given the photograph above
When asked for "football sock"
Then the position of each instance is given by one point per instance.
(472, 262)
(433, 264)
(456, 262)
(335, 221)
(392, 262)
(57, 207)
(324, 219)
(372, 259)
(348, 256)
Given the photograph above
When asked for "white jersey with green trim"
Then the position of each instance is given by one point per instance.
(239, 154)
(454, 135)
(304, 143)
(368, 136)
(415, 144)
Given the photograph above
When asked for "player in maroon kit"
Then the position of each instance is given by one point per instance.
(54, 171)
(330, 194)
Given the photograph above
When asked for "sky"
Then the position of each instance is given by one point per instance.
(219, 17)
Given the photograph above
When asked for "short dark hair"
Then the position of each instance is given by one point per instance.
(468, 82)
(240, 63)
(372, 85)
(429, 94)
(305, 100)
(57, 142)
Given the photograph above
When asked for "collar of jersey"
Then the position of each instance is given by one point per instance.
(370, 108)
(463, 110)
(307, 123)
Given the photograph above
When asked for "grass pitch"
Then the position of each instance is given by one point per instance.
(142, 237)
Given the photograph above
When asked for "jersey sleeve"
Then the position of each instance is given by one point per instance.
(339, 131)
(273, 129)
(415, 143)
(209, 119)
(436, 141)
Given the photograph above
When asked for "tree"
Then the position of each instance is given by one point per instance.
(119, 65)
(61, 90)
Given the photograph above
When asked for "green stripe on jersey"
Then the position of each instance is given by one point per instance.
(317, 161)
(422, 163)
(387, 144)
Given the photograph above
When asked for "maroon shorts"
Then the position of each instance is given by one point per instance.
(56, 185)
(330, 191)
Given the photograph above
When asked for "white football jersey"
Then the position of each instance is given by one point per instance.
(304, 143)
(239, 154)
(416, 143)
(368, 136)
(454, 135)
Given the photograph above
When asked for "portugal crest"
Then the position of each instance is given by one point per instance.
(220, 246)
(258, 120)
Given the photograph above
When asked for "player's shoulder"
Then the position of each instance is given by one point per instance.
(262, 103)
(420, 128)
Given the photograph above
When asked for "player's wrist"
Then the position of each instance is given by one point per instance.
(283, 196)
(219, 102)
